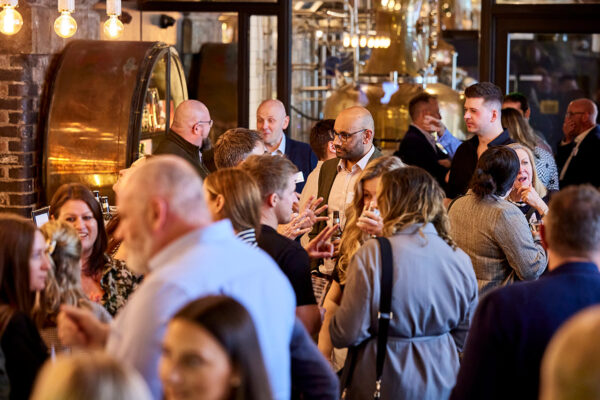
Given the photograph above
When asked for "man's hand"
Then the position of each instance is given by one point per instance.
(433, 124)
(303, 222)
(320, 247)
(295, 227)
(79, 327)
(570, 130)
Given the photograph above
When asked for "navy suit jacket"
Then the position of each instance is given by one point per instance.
(584, 167)
(416, 150)
(512, 327)
(303, 158)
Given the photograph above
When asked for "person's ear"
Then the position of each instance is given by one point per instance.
(331, 147)
(286, 122)
(156, 213)
(527, 113)
(367, 136)
(219, 203)
(495, 115)
(272, 200)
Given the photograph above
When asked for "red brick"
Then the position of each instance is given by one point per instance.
(22, 211)
(9, 131)
(22, 172)
(23, 199)
(17, 186)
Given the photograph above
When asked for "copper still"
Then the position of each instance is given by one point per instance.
(394, 75)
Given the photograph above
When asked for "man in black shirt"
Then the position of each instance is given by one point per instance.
(275, 178)
(191, 126)
(483, 105)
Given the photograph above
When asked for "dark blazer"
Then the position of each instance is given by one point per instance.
(416, 150)
(174, 144)
(512, 327)
(584, 167)
(465, 161)
(303, 158)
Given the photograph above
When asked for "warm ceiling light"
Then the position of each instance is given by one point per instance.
(10, 19)
(65, 26)
(113, 27)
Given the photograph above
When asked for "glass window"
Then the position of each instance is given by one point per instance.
(552, 70)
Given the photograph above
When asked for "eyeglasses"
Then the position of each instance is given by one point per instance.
(569, 114)
(209, 122)
(344, 136)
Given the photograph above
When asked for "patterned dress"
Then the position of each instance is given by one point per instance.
(546, 168)
(117, 283)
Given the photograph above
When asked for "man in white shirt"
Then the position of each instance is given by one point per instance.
(169, 235)
(353, 132)
(577, 155)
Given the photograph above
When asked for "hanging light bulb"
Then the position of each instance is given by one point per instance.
(346, 41)
(370, 42)
(65, 26)
(363, 41)
(113, 27)
(10, 19)
(354, 41)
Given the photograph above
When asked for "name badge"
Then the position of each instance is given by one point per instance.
(299, 177)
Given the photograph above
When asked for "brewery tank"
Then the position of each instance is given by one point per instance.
(394, 75)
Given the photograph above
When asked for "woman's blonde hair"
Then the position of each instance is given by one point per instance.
(241, 196)
(535, 180)
(63, 285)
(409, 196)
(89, 376)
(353, 236)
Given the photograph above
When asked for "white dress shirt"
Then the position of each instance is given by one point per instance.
(208, 261)
(578, 139)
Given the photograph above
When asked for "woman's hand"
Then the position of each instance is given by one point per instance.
(527, 194)
(371, 223)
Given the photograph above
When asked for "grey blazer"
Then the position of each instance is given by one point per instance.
(495, 234)
(434, 296)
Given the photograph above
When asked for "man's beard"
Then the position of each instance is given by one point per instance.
(138, 252)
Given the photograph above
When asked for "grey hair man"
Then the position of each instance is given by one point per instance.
(235, 145)
(168, 232)
(191, 126)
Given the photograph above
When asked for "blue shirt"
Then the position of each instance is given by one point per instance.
(207, 261)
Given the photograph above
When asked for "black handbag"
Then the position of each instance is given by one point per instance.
(384, 317)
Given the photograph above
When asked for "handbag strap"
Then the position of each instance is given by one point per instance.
(385, 308)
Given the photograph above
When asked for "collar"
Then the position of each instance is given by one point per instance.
(214, 232)
(362, 163)
(579, 138)
(427, 135)
(500, 140)
(414, 228)
(574, 267)
(281, 148)
(190, 147)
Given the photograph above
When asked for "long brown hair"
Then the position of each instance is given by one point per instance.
(353, 236)
(77, 191)
(16, 245)
(231, 325)
(409, 196)
(518, 129)
(241, 196)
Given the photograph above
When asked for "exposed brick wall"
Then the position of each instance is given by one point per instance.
(26, 63)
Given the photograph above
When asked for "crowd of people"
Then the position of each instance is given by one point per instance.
(266, 268)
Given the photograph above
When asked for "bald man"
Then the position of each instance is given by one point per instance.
(271, 120)
(577, 155)
(353, 133)
(191, 125)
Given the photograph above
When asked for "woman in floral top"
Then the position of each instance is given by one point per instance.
(105, 280)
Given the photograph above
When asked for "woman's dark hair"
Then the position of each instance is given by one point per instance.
(16, 244)
(496, 172)
(77, 191)
(231, 325)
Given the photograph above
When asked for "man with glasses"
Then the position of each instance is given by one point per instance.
(577, 155)
(271, 120)
(353, 133)
(190, 128)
